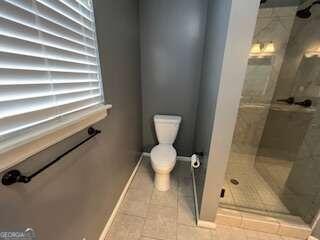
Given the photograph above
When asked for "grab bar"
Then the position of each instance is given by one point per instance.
(14, 175)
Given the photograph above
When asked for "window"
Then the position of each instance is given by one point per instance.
(49, 66)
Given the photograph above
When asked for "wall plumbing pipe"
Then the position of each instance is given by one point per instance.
(195, 162)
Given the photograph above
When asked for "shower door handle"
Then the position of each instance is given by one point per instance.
(306, 103)
(289, 100)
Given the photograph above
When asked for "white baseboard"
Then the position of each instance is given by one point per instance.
(179, 158)
(200, 223)
(183, 159)
(116, 208)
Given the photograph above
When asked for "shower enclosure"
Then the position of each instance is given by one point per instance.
(274, 165)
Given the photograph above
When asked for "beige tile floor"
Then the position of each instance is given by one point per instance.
(253, 193)
(147, 214)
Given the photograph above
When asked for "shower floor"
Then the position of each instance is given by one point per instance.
(253, 193)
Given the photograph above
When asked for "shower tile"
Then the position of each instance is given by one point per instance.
(277, 208)
(294, 231)
(252, 235)
(262, 224)
(229, 217)
(228, 233)
(285, 11)
(269, 236)
(265, 12)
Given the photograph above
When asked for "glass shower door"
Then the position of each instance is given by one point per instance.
(274, 164)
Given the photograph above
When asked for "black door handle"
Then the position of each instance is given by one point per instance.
(305, 103)
(289, 100)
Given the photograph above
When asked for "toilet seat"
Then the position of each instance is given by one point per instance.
(163, 158)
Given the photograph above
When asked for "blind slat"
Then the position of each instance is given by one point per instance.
(73, 22)
(69, 13)
(17, 107)
(49, 64)
(22, 47)
(16, 30)
(19, 76)
(9, 94)
(19, 122)
(45, 12)
(78, 8)
(17, 61)
(23, 17)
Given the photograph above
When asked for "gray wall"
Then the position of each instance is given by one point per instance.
(74, 198)
(218, 19)
(172, 37)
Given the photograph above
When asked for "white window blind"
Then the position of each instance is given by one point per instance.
(49, 65)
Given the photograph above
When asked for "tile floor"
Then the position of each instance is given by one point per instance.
(147, 214)
(254, 193)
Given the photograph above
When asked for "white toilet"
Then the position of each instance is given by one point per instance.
(163, 156)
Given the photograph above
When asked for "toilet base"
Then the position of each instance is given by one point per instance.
(162, 182)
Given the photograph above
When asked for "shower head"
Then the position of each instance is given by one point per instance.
(306, 13)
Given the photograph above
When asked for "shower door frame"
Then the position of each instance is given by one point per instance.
(238, 41)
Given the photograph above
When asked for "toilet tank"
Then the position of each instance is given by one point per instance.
(167, 127)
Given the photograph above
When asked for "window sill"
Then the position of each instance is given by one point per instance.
(34, 144)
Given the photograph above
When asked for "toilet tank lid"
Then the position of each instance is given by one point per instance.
(167, 118)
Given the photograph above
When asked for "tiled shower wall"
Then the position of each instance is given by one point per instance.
(273, 24)
(299, 77)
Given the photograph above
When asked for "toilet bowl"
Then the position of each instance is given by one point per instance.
(163, 155)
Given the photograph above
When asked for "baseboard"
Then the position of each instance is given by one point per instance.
(179, 158)
(200, 223)
(116, 208)
(183, 159)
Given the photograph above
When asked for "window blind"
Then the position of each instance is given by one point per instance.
(49, 65)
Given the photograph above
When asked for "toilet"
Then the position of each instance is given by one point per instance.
(163, 155)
